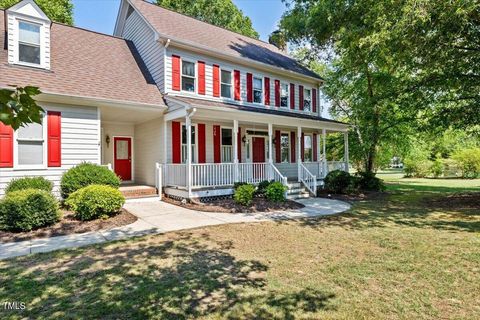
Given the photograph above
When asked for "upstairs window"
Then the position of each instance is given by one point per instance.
(227, 145)
(285, 147)
(28, 42)
(185, 145)
(30, 144)
(188, 76)
(307, 100)
(257, 90)
(226, 84)
(284, 95)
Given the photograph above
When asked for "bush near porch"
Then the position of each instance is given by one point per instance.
(341, 182)
(244, 193)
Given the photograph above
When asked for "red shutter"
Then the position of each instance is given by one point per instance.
(314, 100)
(54, 131)
(302, 147)
(176, 73)
(277, 93)
(201, 143)
(315, 146)
(216, 144)
(239, 144)
(278, 145)
(292, 96)
(249, 87)
(300, 97)
(201, 77)
(292, 147)
(176, 142)
(236, 84)
(6, 146)
(267, 91)
(216, 80)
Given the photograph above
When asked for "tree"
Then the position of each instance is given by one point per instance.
(17, 107)
(222, 13)
(277, 38)
(57, 10)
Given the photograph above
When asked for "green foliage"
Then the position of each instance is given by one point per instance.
(437, 168)
(28, 209)
(238, 184)
(57, 10)
(277, 38)
(275, 192)
(39, 183)
(337, 181)
(262, 188)
(84, 175)
(417, 169)
(222, 13)
(17, 107)
(244, 194)
(469, 160)
(95, 201)
(367, 181)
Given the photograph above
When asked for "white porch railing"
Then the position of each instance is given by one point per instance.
(213, 174)
(159, 179)
(315, 168)
(253, 172)
(175, 175)
(308, 179)
(277, 176)
(336, 165)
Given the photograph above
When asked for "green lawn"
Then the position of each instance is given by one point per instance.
(410, 254)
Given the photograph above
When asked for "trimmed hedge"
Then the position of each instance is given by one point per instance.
(39, 183)
(86, 174)
(337, 181)
(95, 201)
(262, 188)
(275, 192)
(244, 194)
(29, 209)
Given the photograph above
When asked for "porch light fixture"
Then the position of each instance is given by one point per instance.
(107, 140)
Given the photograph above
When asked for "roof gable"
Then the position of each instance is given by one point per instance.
(28, 8)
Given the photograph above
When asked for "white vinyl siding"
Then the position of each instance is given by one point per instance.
(148, 150)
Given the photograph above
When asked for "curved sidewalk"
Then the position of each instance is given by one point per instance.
(158, 217)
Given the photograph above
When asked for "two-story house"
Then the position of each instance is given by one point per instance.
(168, 101)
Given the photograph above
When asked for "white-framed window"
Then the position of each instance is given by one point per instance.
(257, 90)
(285, 147)
(226, 83)
(227, 145)
(284, 95)
(188, 76)
(28, 43)
(30, 146)
(307, 99)
(184, 143)
(308, 148)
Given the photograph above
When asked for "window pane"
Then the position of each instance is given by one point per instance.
(188, 68)
(226, 76)
(227, 137)
(29, 33)
(257, 96)
(31, 131)
(284, 102)
(308, 142)
(188, 84)
(285, 147)
(122, 150)
(226, 91)
(184, 134)
(257, 83)
(27, 53)
(30, 152)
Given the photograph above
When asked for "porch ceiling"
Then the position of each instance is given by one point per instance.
(131, 115)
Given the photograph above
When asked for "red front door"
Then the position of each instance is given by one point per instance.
(122, 154)
(258, 149)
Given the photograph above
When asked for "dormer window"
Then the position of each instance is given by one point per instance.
(28, 42)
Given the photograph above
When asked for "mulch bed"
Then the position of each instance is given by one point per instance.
(69, 225)
(456, 201)
(229, 206)
(367, 195)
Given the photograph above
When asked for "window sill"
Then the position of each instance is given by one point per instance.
(30, 65)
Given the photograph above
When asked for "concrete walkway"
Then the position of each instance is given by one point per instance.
(158, 217)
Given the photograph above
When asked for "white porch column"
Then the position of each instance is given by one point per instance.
(346, 155)
(235, 149)
(270, 151)
(324, 148)
(299, 151)
(165, 149)
(188, 124)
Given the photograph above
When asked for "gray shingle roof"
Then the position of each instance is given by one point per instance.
(176, 25)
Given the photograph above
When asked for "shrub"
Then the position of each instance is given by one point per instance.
(238, 184)
(437, 168)
(29, 209)
(95, 201)
(39, 183)
(262, 188)
(84, 175)
(417, 169)
(275, 192)
(451, 168)
(244, 194)
(469, 160)
(337, 181)
(367, 181)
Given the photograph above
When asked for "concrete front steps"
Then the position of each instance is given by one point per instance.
(297, 190)
(131, 191)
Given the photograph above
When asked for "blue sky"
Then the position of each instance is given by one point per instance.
(100, 15)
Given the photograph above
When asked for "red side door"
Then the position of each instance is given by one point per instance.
(258, 149)
(122, 154)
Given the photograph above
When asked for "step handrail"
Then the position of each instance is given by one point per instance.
(308, 179)
(281, 177)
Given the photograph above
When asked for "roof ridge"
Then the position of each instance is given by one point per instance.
(219, 27)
